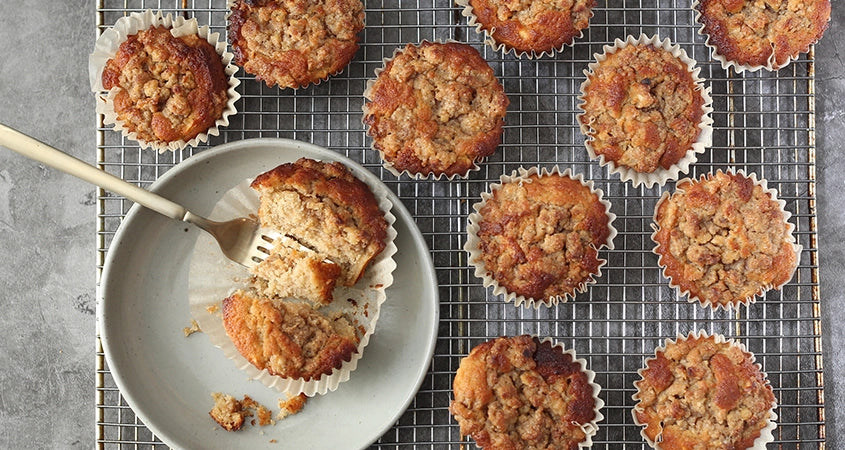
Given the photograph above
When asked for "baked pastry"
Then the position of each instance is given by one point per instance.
(761, 34)
(724, 239)
(701, 392)
(537, 236)
(231, 413)
(288, 339)
(326, 208)
(168, 88)
(294, 43)
(228, 411)
(435, 109)
(530, 27)
(644, 109)
(294, 272)
(520, 392)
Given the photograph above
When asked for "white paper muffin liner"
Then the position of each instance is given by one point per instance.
(231, 3)
(472, 245)
(388, 165)
(705, 126)
(590, 428)
(472, 20)
(212, 278)
(766, 435)
(107, 46)
(750, 299)
(738, 67)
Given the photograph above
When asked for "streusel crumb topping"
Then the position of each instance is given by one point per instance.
(436, 108)
(169, 88)
(700, 394)
(642, 108)
(724, 239)
(756, 32)
(519, 393)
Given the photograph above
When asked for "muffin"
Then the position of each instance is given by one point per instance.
(294, 43)
(724, 238)
(289, 271)
(435, 109)
(701, 392)
(521, 392)
(288, 339)
(326, 208)
(645, 112)
(750, 35)
(536, 236)
(339, 282)
(169, 81)
(532, 28)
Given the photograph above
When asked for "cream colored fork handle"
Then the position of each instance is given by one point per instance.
(39, 151)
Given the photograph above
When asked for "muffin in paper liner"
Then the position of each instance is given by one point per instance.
(531, 370)
(212, 277)
(728, 254)
(642, 90)
(794, 31)
(721, 382)
(299, 71)
(107, 46)
(519, 24)
(377, 116)
(597, 223)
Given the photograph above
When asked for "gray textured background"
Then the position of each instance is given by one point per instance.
(47, 224)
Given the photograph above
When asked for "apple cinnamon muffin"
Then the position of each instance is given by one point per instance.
(537, 236)
(288, 339)
(290, 271)
(294, 43)
(521, 392)
(701, 392)
(326, 208)
(167, 88)
(724, 238)
(533, 27)
(754, 34)
(644, 110)
(435, 109)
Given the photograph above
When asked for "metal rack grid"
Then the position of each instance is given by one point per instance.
(764, 123)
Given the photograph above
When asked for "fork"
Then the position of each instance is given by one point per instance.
(242, 240)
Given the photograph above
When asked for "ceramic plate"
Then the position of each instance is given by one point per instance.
(168, 378)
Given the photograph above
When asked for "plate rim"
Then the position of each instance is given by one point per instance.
(429, 274)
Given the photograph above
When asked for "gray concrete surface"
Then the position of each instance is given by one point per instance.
(47, 223)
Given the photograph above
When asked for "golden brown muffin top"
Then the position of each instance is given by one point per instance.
(642, 108)
(540, 237)
(756, 32)
(436, 108)
(326, 208)
(538, 26)
(700, 394)
(519, 393)
(170, 88)
(290, 340)
(724, 239)
(294, 43)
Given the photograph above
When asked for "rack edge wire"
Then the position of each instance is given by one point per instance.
(108, 398)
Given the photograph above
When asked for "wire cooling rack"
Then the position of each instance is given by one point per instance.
(764, 123)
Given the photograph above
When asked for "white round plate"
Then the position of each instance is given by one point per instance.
(168, 378)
